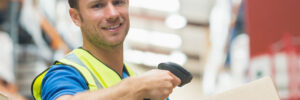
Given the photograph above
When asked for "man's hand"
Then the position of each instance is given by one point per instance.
(156, 84)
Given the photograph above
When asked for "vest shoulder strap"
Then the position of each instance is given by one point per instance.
(86, 74)
(36, 85)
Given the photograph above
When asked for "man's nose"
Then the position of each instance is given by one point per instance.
(111, 12)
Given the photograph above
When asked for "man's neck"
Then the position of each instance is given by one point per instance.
(112, 57)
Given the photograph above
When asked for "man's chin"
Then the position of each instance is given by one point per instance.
(116, 41)
(115, 44)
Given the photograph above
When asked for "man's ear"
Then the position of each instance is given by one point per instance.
(74, 13)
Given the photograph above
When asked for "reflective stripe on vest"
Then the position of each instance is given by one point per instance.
(96, 74)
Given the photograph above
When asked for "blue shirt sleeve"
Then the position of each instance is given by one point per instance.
(62, 80)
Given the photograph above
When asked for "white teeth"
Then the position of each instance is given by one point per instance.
(113, 27)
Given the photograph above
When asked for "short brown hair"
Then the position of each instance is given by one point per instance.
(73, 4)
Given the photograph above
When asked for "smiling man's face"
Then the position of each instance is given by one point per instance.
(104, 23)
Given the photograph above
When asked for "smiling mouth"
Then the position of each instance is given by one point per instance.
(112, 28)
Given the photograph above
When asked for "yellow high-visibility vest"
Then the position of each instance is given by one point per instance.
(96, 74)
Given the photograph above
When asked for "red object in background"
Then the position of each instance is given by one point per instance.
(268, 20)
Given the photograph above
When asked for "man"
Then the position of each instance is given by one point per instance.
(98, 66)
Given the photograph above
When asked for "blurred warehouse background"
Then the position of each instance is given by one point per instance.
(223, 43)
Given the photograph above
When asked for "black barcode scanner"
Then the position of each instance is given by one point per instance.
(178, 71)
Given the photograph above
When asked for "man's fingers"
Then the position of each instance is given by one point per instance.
(176, 81)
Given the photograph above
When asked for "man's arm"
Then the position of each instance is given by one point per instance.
(117, 92)
(155, 85)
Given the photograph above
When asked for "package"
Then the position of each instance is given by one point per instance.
(262, 89)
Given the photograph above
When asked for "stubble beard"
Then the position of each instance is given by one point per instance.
(92, 36)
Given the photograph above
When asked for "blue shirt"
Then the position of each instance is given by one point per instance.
(64, 80)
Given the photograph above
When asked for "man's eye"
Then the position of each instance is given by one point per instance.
(118, 2)
(97, 6)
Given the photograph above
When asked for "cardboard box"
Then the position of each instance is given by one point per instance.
(262, 89)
